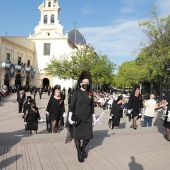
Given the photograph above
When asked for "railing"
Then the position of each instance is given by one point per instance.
(17, 67)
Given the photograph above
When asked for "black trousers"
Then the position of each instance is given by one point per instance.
(20, 104)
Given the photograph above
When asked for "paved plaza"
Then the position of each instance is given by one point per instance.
(119, 149)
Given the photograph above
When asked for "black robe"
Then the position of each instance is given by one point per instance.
(136, 104)
(116, 111)
(32, 119)
(82, 106)
(56, 108)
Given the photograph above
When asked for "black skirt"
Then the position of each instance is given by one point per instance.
(32, 125)
(115, 122)
(84, 130)
(166, 124)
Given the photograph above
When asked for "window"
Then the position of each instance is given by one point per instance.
(52, 19)
(49, 4)
(45, 19)
(28, 63)
(47, 48)
(8, 57)
(19, 60)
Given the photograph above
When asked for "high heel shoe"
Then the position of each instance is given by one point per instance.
(80, 158)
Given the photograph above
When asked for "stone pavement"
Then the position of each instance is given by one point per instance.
(121, 149)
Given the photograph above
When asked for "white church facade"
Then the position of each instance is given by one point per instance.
(23, 59)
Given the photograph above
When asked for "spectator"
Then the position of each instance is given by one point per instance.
(149, 110)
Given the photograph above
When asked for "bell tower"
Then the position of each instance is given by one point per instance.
(49, 21)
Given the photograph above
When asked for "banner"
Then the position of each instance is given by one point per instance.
(11, 70)
(22, 72)
(32, 73)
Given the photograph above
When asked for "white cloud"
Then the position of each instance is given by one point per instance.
(117, 41)
(87, 10)
(127, 10)
(163, 7)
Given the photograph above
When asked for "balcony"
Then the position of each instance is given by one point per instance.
(17, 67)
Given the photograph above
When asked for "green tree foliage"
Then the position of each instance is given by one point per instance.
(154, 59)
(70, 67)
(157, 30)
(129, 74)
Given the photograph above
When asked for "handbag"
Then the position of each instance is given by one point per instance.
(76, 119)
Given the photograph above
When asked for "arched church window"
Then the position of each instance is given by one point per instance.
(45, 19)
(49, 4)
(52, 19)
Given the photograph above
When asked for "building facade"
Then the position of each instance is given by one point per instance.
(16, 57)
(35, 52)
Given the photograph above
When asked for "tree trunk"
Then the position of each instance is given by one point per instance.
(161, 87)
(151, 88)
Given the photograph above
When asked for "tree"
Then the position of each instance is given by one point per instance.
(157, 30)
(70, 67)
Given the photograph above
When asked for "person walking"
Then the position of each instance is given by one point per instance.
(31, 118)
(27, 105)
(20, 99)
(116, 112)
(55, 109)
(149, 110)
(81, 114)
(49, 90)
(40, 92)
(35, 92)
(134, 106)
(167, 123)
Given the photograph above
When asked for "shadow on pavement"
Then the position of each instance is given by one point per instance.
(133, 165)
(122, 125)
(159, 123)
(5, 163)
(7, 142)
(98, 138)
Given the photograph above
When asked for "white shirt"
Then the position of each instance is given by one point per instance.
(150, 107)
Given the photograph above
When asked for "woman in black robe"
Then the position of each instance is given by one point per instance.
(167, 123)
(26, 105)
(82, 108)
(116, 112)
(31, 118)
(55, 109)
(134, 106)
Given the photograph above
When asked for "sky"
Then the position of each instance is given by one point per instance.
(110, 26)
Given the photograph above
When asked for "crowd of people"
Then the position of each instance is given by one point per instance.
(81, 118)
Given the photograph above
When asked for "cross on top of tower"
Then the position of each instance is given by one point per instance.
(75, 24)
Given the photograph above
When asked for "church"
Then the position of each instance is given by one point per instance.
(23, 59)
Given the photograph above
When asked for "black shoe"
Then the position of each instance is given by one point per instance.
(134, 128)
(80, 158)
(167, 137)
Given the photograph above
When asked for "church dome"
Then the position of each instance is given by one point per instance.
(76, 37)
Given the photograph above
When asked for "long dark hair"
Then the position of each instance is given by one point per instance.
(84, 75)
(119, 98)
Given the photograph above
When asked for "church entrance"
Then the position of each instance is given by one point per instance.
(46, 82)
(18, 80)
(6, 80)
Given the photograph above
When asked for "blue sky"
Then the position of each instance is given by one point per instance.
(111, 26)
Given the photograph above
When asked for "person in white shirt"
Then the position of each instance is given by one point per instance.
(149, 111)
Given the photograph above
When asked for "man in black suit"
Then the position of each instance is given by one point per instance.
(40, 91)
(20, 99)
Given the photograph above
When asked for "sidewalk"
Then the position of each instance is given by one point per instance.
(121, 149)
